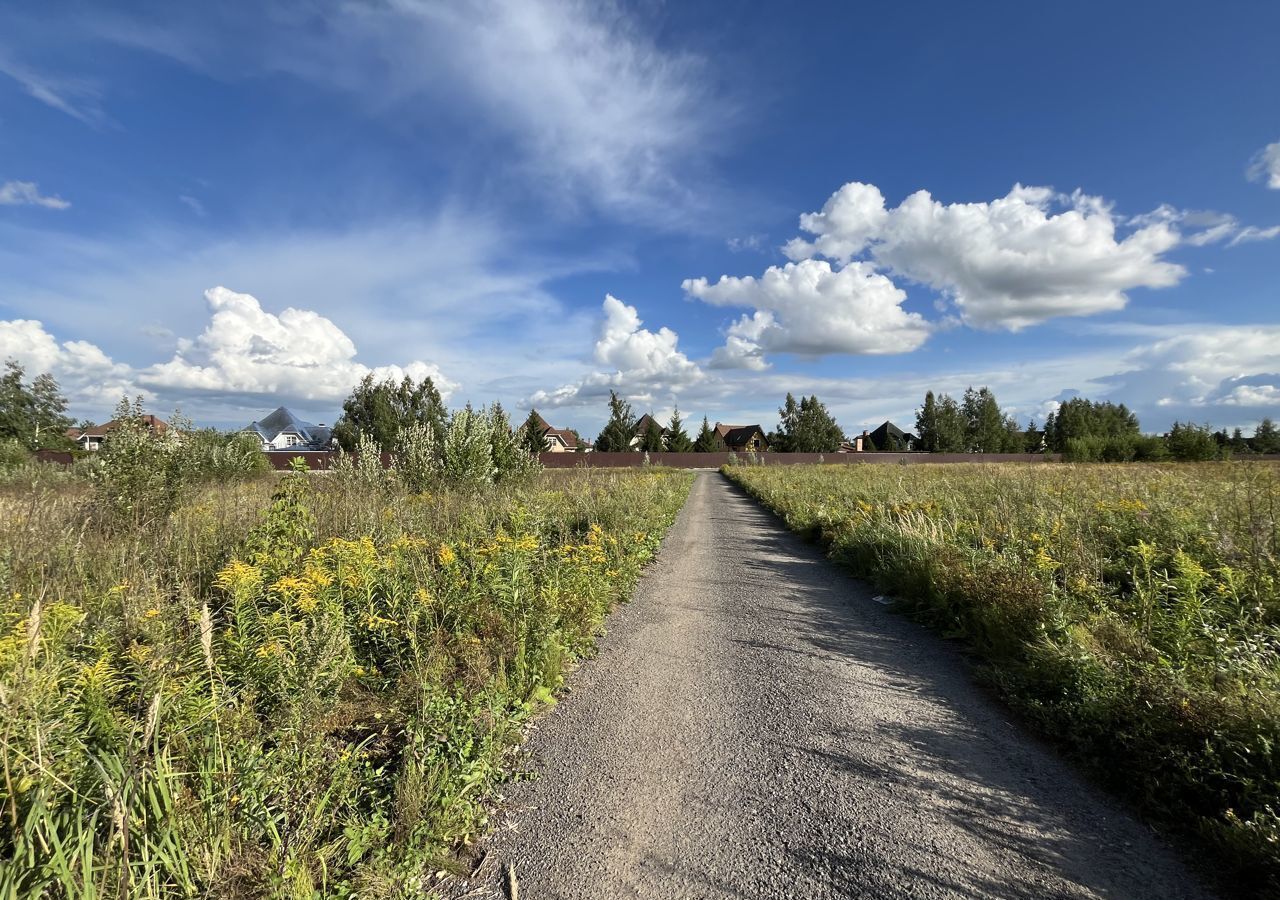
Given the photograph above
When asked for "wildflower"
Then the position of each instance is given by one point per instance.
(270, 649)
(446, 556)
(151, 613)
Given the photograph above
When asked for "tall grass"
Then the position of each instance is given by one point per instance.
(1130, 612)
(292, 687)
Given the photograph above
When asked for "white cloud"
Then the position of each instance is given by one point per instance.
(248, 351)
(644, 363)
(85, 374)
(579, 96)
(1265, 166)
(1029, 256)
(245, 354)
(1189, 369)
(1253, 233)
(810, 309)
(27, 193)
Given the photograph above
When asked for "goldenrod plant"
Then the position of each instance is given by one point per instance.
(289, 686)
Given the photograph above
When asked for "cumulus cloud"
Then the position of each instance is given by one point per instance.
(247, 350)
(27, 193)
(809, 308)
(1190, 370)
(642, 362)
(84, 372)
(245, 354)
(1029, 256)
(1265, 166)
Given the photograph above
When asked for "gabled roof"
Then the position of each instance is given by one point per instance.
(548, 431)
(737, 434)
(282, 421)
(886, 429)
(642, 426)
(155, 423)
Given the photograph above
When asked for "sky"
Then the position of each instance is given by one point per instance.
(230, 207)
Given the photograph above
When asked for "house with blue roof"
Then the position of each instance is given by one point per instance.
(282, 430)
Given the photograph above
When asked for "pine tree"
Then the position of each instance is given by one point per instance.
(927, 424)
(616, 436)
(532, 438)
(708, 441)
(651, 440)
(677, 440)
(1266, 437)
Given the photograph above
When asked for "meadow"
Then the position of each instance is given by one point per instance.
(1130, 612)
(295, 686)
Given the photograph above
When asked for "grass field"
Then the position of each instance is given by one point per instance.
(1130, 612)
(298, 686)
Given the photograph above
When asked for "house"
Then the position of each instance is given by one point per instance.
(642, 428)
(561, 440)
(889, 437)
(282, 430)
(741, 438)
(92, 437)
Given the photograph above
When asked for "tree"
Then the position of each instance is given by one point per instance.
(806, 427)
(532, 438)
(1032, 438)
(927, 424)
(1103, 422)
(677, 440)
(35, 414)
(707, 441)
(381, 410)
(616, 436)
(985, 430)
(1266, 437)
(651, 440)
(1191, 443)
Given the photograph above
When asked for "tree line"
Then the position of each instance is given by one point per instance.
(33, 415)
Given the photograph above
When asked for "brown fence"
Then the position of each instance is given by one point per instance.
(715, 460)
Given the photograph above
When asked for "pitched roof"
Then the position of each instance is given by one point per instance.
(642, 426)
(737, 434)
(155, 423)
(282, 421)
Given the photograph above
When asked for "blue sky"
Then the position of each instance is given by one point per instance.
(228, 207)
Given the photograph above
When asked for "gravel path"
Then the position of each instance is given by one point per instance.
(757, 726)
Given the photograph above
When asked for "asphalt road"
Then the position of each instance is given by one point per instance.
(756, 725)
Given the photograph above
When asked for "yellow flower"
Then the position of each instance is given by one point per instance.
(151, 613)
(270, 648)
(446, 556)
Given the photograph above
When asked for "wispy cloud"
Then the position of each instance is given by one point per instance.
(27, 193)
(77, 98)
(591, 112)
(1265, 166)
(193, 204)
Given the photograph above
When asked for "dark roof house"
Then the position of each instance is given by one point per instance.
(743, 437)
(642, 428)
(890, 437)
(282, 430)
